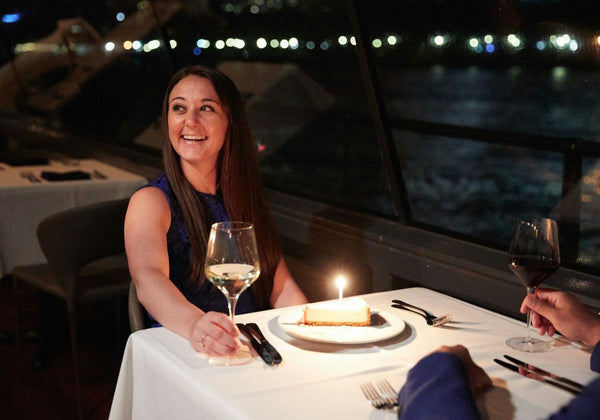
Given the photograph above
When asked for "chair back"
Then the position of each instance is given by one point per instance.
(137, 314)
(76, 237)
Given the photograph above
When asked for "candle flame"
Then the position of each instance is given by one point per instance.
(341, 282)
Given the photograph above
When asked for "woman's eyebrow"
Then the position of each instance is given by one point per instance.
(203, 99)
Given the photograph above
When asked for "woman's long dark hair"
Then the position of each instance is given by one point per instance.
(239, 181)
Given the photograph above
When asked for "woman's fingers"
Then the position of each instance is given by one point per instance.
(215, 334)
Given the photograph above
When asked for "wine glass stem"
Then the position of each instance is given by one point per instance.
(530, 290)
(231, 302)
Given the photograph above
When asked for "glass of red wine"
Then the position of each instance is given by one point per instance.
(533, 256)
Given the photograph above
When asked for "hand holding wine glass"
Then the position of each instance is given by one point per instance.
(533, 256)
(232, 264)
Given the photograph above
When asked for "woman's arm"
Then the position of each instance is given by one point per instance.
(285, 290)
(146, 226)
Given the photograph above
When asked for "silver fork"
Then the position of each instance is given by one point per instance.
(376, 399)
(435, 321)
(388, 392)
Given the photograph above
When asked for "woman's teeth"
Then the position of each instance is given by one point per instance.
(194, 138)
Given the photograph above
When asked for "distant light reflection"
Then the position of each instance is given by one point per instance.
(573, 46)
(11, 17)
(477, 44)
(439, 40)
(559, 73)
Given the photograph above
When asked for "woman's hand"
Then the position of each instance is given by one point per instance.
(479, 381)
(214, 334)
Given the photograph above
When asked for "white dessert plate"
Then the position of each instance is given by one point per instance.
(288, 321)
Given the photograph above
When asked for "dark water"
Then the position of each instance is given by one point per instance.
(480, 189)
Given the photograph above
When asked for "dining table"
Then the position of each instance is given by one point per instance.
(320, 377)
(29, 193)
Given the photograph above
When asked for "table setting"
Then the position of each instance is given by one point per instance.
(299, 366)
(36, 189)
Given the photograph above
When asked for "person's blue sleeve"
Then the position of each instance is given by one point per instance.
(595, 359)
(437, 388)
(587, 404)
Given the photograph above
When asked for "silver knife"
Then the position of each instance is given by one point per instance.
(543, 372)
(266, 356)
(265, 346)
(530, 374)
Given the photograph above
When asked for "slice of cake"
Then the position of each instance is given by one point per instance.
(353, 311)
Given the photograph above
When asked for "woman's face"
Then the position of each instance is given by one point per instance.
(197, 122)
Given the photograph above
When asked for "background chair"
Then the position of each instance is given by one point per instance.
(138, 320)
(84, 247)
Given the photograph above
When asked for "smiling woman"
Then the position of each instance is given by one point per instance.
(197, 128)
(211, 175)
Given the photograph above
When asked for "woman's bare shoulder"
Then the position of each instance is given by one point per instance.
(150, 204)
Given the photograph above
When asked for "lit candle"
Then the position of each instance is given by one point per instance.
(341, 282)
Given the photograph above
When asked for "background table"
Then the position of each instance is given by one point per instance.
(162, 377)
(23, 203)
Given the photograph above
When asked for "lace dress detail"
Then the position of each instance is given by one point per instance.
(205, 296)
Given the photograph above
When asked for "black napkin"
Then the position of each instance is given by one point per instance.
(64, 176)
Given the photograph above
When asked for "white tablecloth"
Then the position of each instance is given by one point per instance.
(23, 204)
(161, 377)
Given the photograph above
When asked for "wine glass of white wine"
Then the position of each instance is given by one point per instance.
(232, 264)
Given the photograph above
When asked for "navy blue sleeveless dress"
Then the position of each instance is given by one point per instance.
(204, 296)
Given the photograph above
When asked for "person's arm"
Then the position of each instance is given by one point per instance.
(441, 385)
(285, 290)
(587, 404)
(595, 359)
(146, 225)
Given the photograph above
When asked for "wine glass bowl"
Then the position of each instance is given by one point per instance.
(533, 256)
(232, 265)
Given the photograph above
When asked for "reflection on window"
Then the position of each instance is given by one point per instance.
(99, 69)
(505, 74)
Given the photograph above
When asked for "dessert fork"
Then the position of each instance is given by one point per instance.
(384, 398)
(435, 321)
